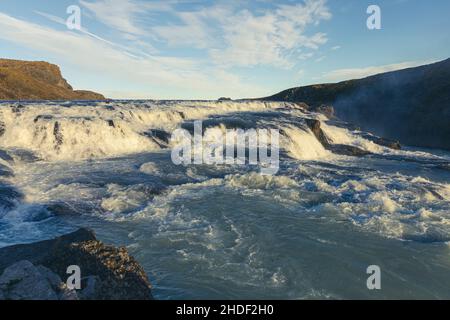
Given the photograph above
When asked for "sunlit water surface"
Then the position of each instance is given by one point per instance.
(229, 232)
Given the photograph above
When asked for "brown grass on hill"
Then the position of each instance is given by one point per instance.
(37, 80)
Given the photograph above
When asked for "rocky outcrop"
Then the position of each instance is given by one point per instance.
(328, 111)
(25, 281)
(314, 125)
(161, 137)
(347, 150)
(342, 149)
(410, 105)
(2, 128)
(391, 144)
(37, 80)
(107, 272)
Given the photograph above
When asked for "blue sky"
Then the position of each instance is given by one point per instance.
(193, 49)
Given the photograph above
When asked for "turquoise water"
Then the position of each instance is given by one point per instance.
(228, 232)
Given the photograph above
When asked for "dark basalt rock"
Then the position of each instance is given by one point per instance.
(58, 135)
(2, 128)
(17, 109)
(387, 143)
(160, 136)
(341, 149)
(107, 272)
(314, 125)
(347, 150)
(44, 117)
(392, 144)
(325, 110)
(301, 106)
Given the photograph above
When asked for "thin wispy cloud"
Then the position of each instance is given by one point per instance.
(358, 73)
(230, 34)
(227, 33)
(206, 49)
(126, 49)
(239, 37)
(172, 72)
(320, 59)
(124, 15)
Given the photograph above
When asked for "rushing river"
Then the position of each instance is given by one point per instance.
(226, 231)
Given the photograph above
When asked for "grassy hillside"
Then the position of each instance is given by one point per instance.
(27, 80)
(410, 105)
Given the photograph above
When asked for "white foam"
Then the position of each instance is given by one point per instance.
(303, 145)
(82, 132)
(122, 199)
(380, 201)
(255, 180)
(344, 136)
(107, 130)
(150, 168)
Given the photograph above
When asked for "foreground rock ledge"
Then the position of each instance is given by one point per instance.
(37, 271)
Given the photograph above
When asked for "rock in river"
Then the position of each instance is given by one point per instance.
(107, 272)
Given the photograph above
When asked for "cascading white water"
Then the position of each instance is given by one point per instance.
(303, 145)
(243, 234)
(83, 132)
(345, 136)
(98, 131)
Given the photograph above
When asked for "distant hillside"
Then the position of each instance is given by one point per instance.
(411, 105)
(29, 80)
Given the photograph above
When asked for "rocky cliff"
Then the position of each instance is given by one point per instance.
(37, 271)
(410, 105)
(36, 80)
